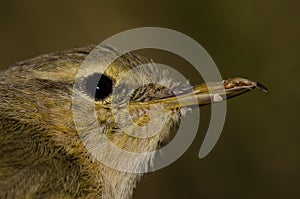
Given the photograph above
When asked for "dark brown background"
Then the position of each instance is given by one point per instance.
(258, 154)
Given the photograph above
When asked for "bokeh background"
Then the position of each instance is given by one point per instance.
(258, 154)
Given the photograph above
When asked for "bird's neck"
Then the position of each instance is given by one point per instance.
(121, 185)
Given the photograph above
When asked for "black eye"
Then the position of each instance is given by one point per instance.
(98, 86)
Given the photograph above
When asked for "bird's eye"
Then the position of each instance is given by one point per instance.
(98, 86)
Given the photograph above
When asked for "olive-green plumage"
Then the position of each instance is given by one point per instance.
(41, 152)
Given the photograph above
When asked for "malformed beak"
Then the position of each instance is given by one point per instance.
(208, 93)
(219, 91)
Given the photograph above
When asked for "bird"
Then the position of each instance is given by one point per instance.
(44, 155)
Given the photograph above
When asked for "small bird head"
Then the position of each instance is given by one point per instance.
(138, 103)
(76, 111)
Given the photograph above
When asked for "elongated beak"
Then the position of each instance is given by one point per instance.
(208, 93)
(216, 92)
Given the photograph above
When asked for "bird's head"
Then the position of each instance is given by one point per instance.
(131, 106)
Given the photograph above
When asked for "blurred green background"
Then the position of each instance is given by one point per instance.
(258, 154)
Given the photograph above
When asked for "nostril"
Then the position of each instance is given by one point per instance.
(151, 92)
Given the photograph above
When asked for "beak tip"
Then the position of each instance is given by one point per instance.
(261, 87)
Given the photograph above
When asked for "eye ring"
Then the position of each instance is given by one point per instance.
(98, 86)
